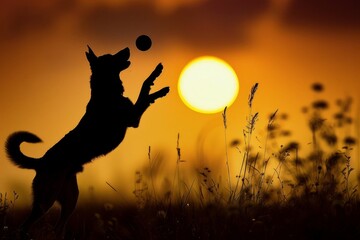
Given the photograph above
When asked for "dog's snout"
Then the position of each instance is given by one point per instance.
(126, 52)
(123, 54)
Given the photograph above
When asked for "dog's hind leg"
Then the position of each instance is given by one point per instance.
(45, 190)
(67, 198)
(38, 210)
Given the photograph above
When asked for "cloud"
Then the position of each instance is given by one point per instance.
(203, 23)
(323, 14)
(207, 23)
(23, 17)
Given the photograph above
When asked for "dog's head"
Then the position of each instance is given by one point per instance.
(106, 69)
(108, 64)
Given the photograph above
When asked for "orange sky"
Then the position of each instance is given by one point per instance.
(284, 45)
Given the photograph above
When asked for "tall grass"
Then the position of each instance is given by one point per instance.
(7, 203)
(269, 175)
(278, 191)
(276, 186)
(226, 153)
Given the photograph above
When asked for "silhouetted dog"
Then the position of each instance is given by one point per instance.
(101, 130)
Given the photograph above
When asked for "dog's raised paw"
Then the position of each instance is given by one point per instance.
(164, 91)
(161, 93)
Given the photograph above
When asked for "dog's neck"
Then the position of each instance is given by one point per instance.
(106, 86)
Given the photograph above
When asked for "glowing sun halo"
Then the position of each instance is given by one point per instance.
(208, 84)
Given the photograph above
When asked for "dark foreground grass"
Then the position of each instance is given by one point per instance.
(309, 218)
(278, 192)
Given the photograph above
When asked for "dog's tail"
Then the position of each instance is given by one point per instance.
(12, 147)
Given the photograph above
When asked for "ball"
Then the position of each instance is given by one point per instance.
(143, 43)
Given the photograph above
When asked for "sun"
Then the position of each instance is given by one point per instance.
(208, 84)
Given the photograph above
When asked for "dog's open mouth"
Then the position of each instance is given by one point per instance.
(127, 64)
(123, 58)
(127, 56)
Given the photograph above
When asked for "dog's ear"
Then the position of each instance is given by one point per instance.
(90, 55)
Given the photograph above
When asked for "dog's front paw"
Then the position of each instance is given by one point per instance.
(164, 91)
(157, 71)
(161, 93)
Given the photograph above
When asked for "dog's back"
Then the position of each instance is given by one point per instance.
(100, 131)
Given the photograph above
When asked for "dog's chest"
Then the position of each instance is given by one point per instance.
(112, 113)
(105, 122)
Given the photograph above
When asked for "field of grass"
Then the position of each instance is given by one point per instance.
(277, 193)
(300, 219)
